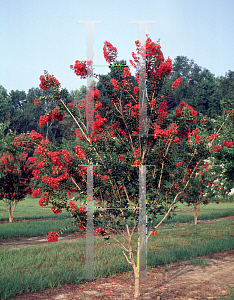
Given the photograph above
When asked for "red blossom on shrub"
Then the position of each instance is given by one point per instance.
(52, 237)
(216, 148)
(227, 143)
(176, 83)
(56, 211)
(110, 52)
(81, 68)
(48, 81)
(36, 192)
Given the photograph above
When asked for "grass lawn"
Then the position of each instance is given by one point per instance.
(29, 209)
(39, 267)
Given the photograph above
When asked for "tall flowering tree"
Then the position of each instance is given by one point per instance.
(117, 151)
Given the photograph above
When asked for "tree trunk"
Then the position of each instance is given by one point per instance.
(10, 216)
(137, 283)
(195, 215)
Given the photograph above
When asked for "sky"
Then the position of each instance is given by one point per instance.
(46, 35)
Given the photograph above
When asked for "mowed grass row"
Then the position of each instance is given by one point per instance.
(29, 209)
(39, 267)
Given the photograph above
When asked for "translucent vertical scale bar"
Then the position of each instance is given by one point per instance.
(89, 225)
(89, 101)
(142, 230)
(142, 84)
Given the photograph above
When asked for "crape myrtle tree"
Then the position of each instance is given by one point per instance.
(15, 173)
(117, 151)
(205, 185)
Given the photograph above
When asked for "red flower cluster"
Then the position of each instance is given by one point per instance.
(110, 52)
(79, 152)
(154, 232)
(197, 139)
(126, 72)
(99, 230)
(52, 237)
(137, 152)
(176, 83)
(36, 192)
(36, 102)
(116, 84)
(227, 143)
(121, 157)
(93, 93)
(193, 113)
(81, 68)
(203, 120)
(76, 208)
(79, 134)
(44, 200)
(56, 115)
(179, 164)
(136, 163)
(35, 136)
(44, 119)
(160, 112)
(70, 105)
(99, 123)
(164, 69)
(216, 148)
(56, 211)
(212, 137)
(48, 81)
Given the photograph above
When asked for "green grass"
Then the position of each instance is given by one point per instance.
(230, 297)
(36, 268)
(210, 211)
(29, 209)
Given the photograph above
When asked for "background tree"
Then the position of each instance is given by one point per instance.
(15, 173)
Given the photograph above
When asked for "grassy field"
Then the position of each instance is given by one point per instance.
(39, 267)
(29, 209)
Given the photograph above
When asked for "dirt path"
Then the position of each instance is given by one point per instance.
(178, 281)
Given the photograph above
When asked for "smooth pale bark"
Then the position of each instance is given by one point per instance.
(11, 209)
(10, 216)
(195, 215)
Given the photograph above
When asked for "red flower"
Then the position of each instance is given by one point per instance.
(137, 152)
(217, 202)
(179, 164)
(227, 143)
(110, 52)
(217, 148)
(176, 83)
(48, 81)
(52, 237)
(154, 232)
(136, 163)
(81, 68)
(70, 105)
(126, 72)
(58, 211)
(36, 192)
